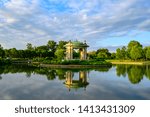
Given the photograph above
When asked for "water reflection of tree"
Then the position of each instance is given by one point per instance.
(1, 72)
(135, 72)
(103, 69)
(17, 69)
(121, 70)
(147, 72)
(28, 74)
(61, 74)
(51, 75)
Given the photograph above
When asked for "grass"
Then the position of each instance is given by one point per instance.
(73, 63)
(131, 62)
(84, 62)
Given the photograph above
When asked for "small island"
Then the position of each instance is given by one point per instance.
(64, 55)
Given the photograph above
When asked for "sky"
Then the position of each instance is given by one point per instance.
(102, 23)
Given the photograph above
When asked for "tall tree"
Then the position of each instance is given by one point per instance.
(124, 52)
(103, 53)
(59, 54)
(144, 52)
(148, 53)
(113, 55)
(92, 54)
(132, 44)
(2, 52)
(42, 51)
(121, 53)
(14, 53)
(61, 44)
(52, 45)
(29, 46)
(7, 52)
(136, 52)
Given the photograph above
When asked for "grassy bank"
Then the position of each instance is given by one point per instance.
(129, 62)
(73, 63)
(72, 66)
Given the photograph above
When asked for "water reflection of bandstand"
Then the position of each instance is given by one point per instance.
(72, 83)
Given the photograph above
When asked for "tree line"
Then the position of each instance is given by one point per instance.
(133, 51)
(53, 50)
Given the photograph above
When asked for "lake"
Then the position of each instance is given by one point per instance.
(131, 82)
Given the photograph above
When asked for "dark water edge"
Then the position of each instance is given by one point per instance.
(117, 82)
(74, 66)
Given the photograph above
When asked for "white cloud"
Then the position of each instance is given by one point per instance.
(21, 7)
(37, 21)
(145, 25)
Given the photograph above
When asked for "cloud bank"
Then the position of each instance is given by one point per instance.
(37, 21)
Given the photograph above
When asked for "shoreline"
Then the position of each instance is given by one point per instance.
(72, 66)
(130, 62)
(115, 62)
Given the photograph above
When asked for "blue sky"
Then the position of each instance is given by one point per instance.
(102, 23)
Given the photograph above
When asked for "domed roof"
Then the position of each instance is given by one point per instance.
(78, 44)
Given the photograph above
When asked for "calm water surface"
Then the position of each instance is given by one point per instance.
(116, 82)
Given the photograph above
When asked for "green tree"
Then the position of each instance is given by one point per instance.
(43, 47)
(61, 44)
(144, 53)
(119, 54)
(28, 53)
(136, 52)
(42, 51)
(124, 52)
(52, 45)
(21, 54)
(29, 46)
(132, 44)
(14, 53)
(2, 52)
(92, 54)
(113, 55)
(7, 53)
(59, 54)
(103, 53)
(148, 53)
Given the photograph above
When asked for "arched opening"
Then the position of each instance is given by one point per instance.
(77, 46)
